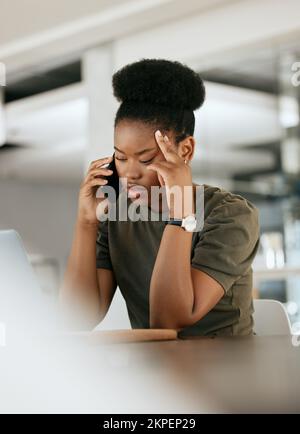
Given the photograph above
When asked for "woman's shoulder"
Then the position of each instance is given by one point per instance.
(218, 199)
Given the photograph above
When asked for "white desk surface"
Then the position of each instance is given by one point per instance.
(240, 374)
(199, 375)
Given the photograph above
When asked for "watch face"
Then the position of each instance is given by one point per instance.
(189, 223)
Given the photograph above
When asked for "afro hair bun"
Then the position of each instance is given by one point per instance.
(159, 82)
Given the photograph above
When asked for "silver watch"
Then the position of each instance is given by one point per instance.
(188, 223)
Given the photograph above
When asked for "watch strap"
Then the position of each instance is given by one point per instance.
(176, 222)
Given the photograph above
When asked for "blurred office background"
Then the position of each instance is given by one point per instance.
(57, 111)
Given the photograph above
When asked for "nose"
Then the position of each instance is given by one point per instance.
(132, 171)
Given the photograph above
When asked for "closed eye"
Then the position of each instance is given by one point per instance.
(147, 162)
(143, 162)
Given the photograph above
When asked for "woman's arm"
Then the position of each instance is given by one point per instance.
(86, 292)
(179, 294)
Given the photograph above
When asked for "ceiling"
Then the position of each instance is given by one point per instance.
(34, 33)
(257, 70)
(33, 16)
(237, 131)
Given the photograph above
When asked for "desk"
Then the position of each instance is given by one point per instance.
(199, 375)
(240, 374)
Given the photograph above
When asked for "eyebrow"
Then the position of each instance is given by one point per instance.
(137, 153)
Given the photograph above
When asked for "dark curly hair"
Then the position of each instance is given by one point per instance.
(161, 93)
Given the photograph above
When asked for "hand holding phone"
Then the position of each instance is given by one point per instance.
(113, 179)
(97, 176)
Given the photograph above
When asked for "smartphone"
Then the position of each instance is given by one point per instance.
(113, 179)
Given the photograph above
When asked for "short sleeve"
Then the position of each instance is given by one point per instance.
(229, 240)
(102, 247)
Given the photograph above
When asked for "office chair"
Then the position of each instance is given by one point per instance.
(270, 318)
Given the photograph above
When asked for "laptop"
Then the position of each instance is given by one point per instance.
(27, 312)
(23, 306)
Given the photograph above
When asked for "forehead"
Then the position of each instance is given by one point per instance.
(134, 136)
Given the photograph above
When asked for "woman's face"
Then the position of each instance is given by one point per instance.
(135, 148)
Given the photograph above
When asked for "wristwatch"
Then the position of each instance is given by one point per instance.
(188, 223)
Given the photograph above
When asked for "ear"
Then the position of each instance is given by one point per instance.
(186, 148)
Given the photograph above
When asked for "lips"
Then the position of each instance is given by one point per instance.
(135, 191)
(134, 186)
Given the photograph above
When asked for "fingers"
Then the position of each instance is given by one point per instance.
(100, 162)
(97, 174)
(90, 182)
(161, 165)
(92, 177)
(161, 179)
(166, 147)
(96, 170)
(98, 181)
(161, 169)
(100, 172)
